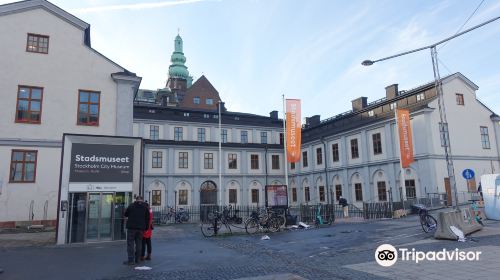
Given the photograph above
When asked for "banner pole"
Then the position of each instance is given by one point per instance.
(402, 175)
(285, 165)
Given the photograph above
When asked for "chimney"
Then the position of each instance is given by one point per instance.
(313, 121)
(359, 103)
(273, 115)
(391, 91)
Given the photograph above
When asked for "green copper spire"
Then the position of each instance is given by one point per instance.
(177, 69)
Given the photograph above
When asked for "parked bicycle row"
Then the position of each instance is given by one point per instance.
(196, 214)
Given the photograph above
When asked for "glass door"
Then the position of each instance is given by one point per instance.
(100, 216)
(93, 217)
(106, 216)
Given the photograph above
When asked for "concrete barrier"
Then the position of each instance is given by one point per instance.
(444, 221)
(467, 224)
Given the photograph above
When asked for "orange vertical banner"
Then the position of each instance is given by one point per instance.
(293, 130)
(405, 138)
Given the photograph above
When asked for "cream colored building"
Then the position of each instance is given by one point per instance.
(53, 82)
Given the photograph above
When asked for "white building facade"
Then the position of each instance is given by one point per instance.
(356, 154)
(52, 83)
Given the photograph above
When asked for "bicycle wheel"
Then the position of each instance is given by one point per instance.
(273, 224)
(251, 226)
(431, 223)
(208, 228)
(164, 219)
(331, 219)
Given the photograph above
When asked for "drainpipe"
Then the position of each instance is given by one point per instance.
(265, 162)
(328, 197)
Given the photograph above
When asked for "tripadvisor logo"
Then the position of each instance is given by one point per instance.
(387, 255)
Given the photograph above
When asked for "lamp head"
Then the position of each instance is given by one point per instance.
(367, 62)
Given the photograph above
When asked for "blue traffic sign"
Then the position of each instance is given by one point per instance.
(468, 174)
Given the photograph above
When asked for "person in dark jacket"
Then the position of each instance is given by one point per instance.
(137, 222)
(345, 206)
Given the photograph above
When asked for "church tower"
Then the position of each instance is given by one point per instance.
(178, 75)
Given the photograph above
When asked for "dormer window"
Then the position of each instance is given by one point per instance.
(394, 105)
(370, 113)
(196, 100)
(420, 97)
(37, 43)
(210, 101)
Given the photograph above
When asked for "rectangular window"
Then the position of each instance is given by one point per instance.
(157, 157)
(201, 135)
(319, 156)
(460, 99)
(37, 43)
(354, 148)
(307, 195)
(394, 106)
(244, 136)
(420, 97)
(255, 196)
(443, 132)
(338, 192)
(233, 161)
(178, 134)
(209, 101)
(263, 137)
(196, 100)
(275, 162)
(208, 161)
(304, 159)
(377, 143)
(183, 160)
(23, 166)
(183, 197)
(154, 132)
(254, 161)
(382, 191)
(322, 196)
(156, 198)
(335, 152)
(294, 194)
(29, 104)
(292, 165)
(282, 140)
(485, 138)
(358, 191)
(410, 189)
(88, 107)
(224, 136)
(233, 197)
(371, 113)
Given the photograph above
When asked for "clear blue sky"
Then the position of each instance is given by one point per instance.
(253, 51)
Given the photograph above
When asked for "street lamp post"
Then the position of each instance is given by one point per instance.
(439, 89)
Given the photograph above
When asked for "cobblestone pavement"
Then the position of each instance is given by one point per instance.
(343, 251)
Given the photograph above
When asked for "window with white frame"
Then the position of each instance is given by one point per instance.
(208, 161)
(232, 161)
(183, 160)
(183, 197)
(178, 133)
(244, 137)
(275, 162)
(394, 105)
(157, 159)
(154, 132)
(224, 136)
(420, 97)
(443, 132)
(263, 137)
(201, 134)
(485, 138)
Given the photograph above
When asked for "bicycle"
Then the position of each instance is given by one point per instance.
(235, 218)
(181, 216)
(266, 219)
(213, 224)
(428, 222)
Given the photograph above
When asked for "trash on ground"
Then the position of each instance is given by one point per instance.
(458, 233)
(295, 227)
(303, 225)
(265, 237)
(143, 268)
